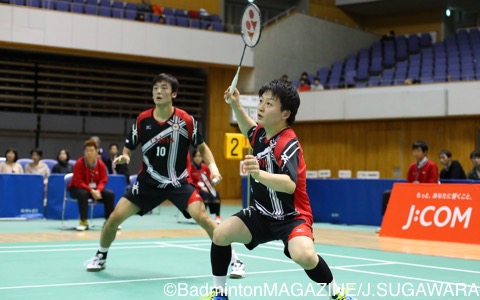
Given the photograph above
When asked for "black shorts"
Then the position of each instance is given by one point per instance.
(264, 229)
(148, 197)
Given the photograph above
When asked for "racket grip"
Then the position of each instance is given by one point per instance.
(233, 85)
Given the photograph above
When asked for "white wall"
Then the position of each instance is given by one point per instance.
(424, 100)
(76, 31)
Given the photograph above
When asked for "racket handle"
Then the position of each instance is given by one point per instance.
(215, 180)
(233, 85)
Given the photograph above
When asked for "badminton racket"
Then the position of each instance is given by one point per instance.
(251, 30)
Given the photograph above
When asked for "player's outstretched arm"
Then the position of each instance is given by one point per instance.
(243, 119)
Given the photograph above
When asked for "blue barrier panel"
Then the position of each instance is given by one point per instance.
(55, 193)
(21, 194)
(344, 201)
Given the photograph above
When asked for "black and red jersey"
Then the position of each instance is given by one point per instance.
(196, 174)
(165, 147)
(282, 154)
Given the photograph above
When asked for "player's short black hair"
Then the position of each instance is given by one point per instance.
(168, 78)
(286, 93)
(420, 144)
(445, 152)
(15, 153)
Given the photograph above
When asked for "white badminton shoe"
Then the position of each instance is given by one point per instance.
(96, 263)
(238, 269)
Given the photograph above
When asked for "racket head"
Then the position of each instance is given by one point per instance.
(251, 25)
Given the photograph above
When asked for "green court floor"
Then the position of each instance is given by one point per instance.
(179, 268)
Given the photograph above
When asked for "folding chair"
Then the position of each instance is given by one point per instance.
(67, 197)
(50, 163)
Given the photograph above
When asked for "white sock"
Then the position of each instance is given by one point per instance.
(220, 282)
(234, 256)
(334, 289)
(103, 250)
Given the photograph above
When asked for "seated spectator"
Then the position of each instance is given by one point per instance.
(161, 19)
(212, 200)
(10, 165)
(422, 170)
(316, 85)
(89, 179)
(102, 154)
(410, 81)
(38, 167)
(452, 169)
(117, 168)
(390, 36)
(157, 9)
(304, 76)
(143, 8)
(475, 172)
(285, 78)
(62, 167)
(303, 86)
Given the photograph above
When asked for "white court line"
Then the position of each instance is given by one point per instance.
(265, 246)
(96, 244)
(402, 277)
(387, 261)
(343, 268)
(132, 280)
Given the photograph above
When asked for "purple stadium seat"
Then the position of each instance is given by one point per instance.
(194, 23)
(33, 3)
(91, 9)
(413, 43)
(77, 8)
(106, 3)
(118, 12)
(401, 48)
(218, 27)
(19, 2)
(180, 21)
(322, 74)
(387, 77)
(63, 6)
(48, 4)
(425, 40)
(105, 11)
(130, 14)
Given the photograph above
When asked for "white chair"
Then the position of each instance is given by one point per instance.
(24, 161)
(2, 159)
(66, 197)
(50, 163)
(72, 162)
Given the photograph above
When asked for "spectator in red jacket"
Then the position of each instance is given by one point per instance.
(422, 170)
(89, 179)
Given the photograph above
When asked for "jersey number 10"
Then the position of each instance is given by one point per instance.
(161, 151)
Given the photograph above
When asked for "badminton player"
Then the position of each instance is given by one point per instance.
(281, 207)
(164, 134)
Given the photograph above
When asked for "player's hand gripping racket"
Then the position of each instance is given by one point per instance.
(251, 31)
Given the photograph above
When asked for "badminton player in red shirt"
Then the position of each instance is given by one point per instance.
(280, 208)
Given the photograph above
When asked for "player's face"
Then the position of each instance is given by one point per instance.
(162, 93)
(269, 111)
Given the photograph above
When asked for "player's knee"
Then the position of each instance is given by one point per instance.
(221, 237)
(306, 258)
